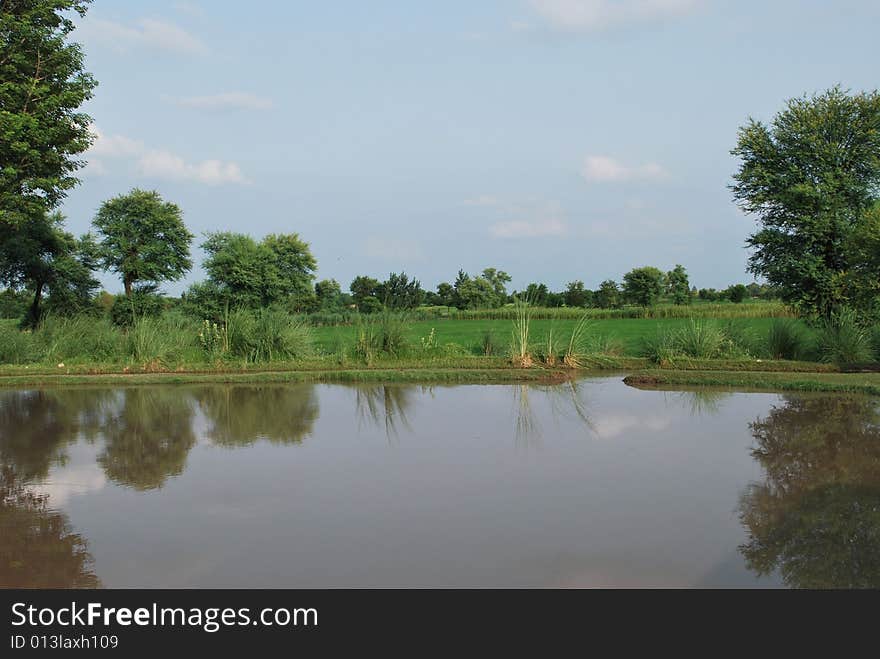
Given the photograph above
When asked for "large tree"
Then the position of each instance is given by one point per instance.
(643, 286)
(40, 256)
(42, 85)
(809, 177)
(678, 286)
(143, 238)
(244, 272)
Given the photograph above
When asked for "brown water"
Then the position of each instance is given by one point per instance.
(596, 484)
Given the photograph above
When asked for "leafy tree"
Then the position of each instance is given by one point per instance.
(143, 238)
(329, 295)
(537, 294)
(576, 295)
(608, 295)
(245, 273)
(43, 86)
(809, 178)
(643, 286)
(363, 287)
(445, 294)
(677, 285)
(861, 283)
(40, 256)
(736, 293)
(400, 292)
(498, 280)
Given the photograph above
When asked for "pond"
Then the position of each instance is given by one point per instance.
(581, 484)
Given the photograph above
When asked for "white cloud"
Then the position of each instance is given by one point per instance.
(167, 165)
(604, 169)
(146, 33)
(596, 15)
(531, 219)
(158, 163)
(226, 101)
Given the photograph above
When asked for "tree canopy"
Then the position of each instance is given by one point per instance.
(43, 86)
(143, 238)
(643, 286)
(810, 178)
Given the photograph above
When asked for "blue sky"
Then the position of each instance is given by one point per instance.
(554, 139)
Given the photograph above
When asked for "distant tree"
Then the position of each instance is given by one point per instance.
(643, 286)
(736, 293)
(810, 178)
(576, 295)
(363, 287)
(143, 238)
(709, 295)
(43, 85)
(328, 294)
(607, 296)
(555, 300)
(536, 294)
(400, 292)
(498, 280)
(40, 256)
(677, 285)
(445, 294)
(243, 272)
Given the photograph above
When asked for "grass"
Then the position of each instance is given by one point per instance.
(863, 383)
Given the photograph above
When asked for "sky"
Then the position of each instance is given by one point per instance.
(557, 140)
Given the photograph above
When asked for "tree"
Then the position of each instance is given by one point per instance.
(43, 85)
(536, 294)
(41, 257)
(445, 294)
(576, 295)
(678, 286)
(329, 294)
(498, 280)
(363, 292)
(245, 273)
(143, 238)
(809, 178)
(608, 295)
(400, 292)
(861, 283)
(736, 293)
(643, 286)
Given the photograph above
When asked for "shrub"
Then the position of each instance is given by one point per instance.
(844, 339)
(268, 335)
(16, 346)
(143, 303)
(93, 339)
(661, 349)
(489, 344)
(787, 339)
(700, 339)
(155, 340)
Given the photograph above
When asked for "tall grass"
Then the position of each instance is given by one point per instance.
(844, 339)
(787, 339)
(382, 333)
(60, 339)
(16, 346)
(268, 335)
(576, 343)
(520, 340)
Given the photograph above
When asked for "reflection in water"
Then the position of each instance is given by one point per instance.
(385, 405)
(566, 400)
(240, 416)
(816, 516)
(148, 437)
(703, 402)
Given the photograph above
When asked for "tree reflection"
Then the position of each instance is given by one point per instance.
(385, 405)
(37, 547)
(147, 437)
(816, 516)
(37, 425)
(242, 415)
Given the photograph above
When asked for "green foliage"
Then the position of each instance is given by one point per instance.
(381, 334)
(643, 286)
(787, 339)
(158, 341)
(400, 292)
(844, 339)
(678, 286)
(489, 344)
(701, 339)
(249, 274)
(143, 238)
(268, 335)
(43, 86)
(212, 339)
(16, 347)
(607, 296)
(736, 293)
(143, 302)
(810, 177)
(81, 338)
(520, 340)
(485, 291)
(362, 288)
(13, 303)
(576, 295)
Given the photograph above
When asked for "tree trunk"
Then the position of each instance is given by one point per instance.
(33, 317)
(127, 282)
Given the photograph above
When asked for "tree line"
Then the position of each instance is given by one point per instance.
(810, 179)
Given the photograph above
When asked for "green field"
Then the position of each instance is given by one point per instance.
(629, 332)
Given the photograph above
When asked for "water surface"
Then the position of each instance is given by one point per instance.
(587, 484)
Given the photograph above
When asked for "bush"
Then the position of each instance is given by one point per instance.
(383, 332)
(16, 346)
(844, 339)
(787, 339)
(268, 335)
(701, 339)
(84, 338)
(157, 340)
(143, 303)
